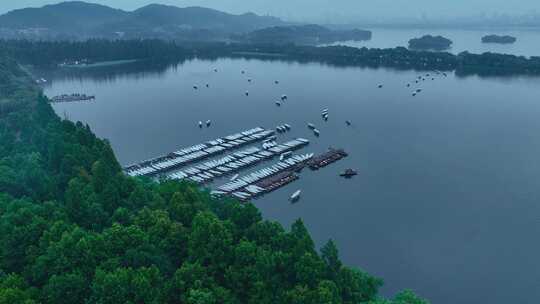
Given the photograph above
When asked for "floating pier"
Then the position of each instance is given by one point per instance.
(265, 180)
(196, 153)
(327, 158)
(269, 179)
(72, 98)
(233, 163)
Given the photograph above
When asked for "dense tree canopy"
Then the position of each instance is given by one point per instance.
(75, 229)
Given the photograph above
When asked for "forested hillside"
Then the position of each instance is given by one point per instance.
(75, 229)
(46, 53)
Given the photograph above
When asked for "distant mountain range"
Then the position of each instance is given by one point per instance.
(83, 20)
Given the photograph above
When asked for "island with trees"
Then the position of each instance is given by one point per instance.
(75, 229)
(428, 42)
(303, 34)
(506, 39)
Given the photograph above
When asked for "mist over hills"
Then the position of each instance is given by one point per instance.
(82, 20)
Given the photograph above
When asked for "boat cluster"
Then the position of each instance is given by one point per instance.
(208, 124)
(72, 97)
(424, 78)
(196, 152)
(324, 114)
(238, 188)
(314, 129)
(234, 162)
(283, 128)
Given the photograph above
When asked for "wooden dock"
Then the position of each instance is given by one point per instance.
(72, 98)
(327, 158)
(269, 179)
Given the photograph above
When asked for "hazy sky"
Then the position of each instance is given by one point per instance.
(330, 10)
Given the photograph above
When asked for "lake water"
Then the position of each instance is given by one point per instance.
(446, 200)
(527, 44)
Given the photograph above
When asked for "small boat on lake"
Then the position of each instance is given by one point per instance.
(200, 124)
(208, 123)
(316, 132)
(235, 177)
(311, 126)
(349, 173)
(348, 122)
(295, 196)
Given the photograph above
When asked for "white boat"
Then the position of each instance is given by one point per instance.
(295, 196)
(247, 93)
(278, 103)
(316, 132)
(311, 126)
(195, 87)
(285, 155)
(200, 124)
(234, 177)
(208, 123)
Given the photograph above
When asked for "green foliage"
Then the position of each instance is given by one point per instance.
(404, 297)
(75, 229)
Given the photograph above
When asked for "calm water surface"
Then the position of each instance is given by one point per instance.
(446, 202)
(527, 44)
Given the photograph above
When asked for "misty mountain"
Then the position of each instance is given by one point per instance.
(81, 19)
(62, 17)
(156, 15)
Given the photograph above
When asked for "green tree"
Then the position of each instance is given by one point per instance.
(127, 285)
(66, 289)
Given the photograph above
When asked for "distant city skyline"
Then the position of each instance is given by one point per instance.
(335, 11)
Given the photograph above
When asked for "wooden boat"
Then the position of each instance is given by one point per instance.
(349, 173)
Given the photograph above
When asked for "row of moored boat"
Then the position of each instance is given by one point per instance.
(234, 162)
(197, 152)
